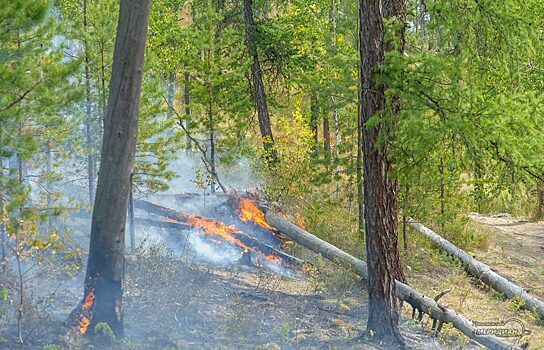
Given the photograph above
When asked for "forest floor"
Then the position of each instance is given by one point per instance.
(515, 250)
(174, 304)
(170, 304)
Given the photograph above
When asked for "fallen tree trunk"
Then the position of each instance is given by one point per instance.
(169, 225)
(480, 270)
(404, 293)
(215, 229)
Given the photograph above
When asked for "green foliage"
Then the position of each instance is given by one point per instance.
(52, 347)
(104, 331)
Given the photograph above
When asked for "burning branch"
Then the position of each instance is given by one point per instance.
(217, 230)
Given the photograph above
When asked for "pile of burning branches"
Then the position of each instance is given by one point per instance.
(259, 243)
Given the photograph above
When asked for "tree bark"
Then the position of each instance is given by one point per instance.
(326, 135)
(380, 189)
(540, 211)
(314, 111)
(171, 93)
(105, 267)
(403, 292)
(335, 103)
(258, 86)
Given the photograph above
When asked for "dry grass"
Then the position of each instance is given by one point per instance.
(433, 273)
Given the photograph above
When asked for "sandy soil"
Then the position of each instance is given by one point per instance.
(516, 250)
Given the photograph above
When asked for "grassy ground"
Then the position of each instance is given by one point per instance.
(429, 271)
(432, 272)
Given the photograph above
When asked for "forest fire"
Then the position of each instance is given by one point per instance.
(249, 212)
(260, 244)
(212, 227)
(84, 319)
(230, 234)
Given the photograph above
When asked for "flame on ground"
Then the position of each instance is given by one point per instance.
(212, 227)
(86, 315)
(216, 228)
(249, 212)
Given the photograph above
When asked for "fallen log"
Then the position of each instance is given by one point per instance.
(404, 293)
(169, 225)
(215, 229)
(480, 270)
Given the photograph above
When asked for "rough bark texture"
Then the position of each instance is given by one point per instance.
(403, 292)
(258, 85)
(380, 190)
(106, 251)
(480, 270)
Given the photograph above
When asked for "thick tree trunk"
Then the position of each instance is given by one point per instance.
(403, 292)
(105, 265)
(480, 270)
(380, 190)
(258, 85)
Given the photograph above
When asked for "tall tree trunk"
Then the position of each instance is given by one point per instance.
(380, 189)
(258, 85)
(171, 94)
(212, 137)
(314, 111)
(335, 102)
(326, 135)
(3, 237)
(540, 211)
(105, 267)
(88, 110)
(441, 169)
(405, 216)
(3, 252)
(48, 186)
(186, 102)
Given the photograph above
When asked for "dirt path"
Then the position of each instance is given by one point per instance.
(516, 250)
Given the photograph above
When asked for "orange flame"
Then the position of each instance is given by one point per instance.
(273, 258)
(216, 228)
(212, 227)
(85, 317)
(248, 211)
